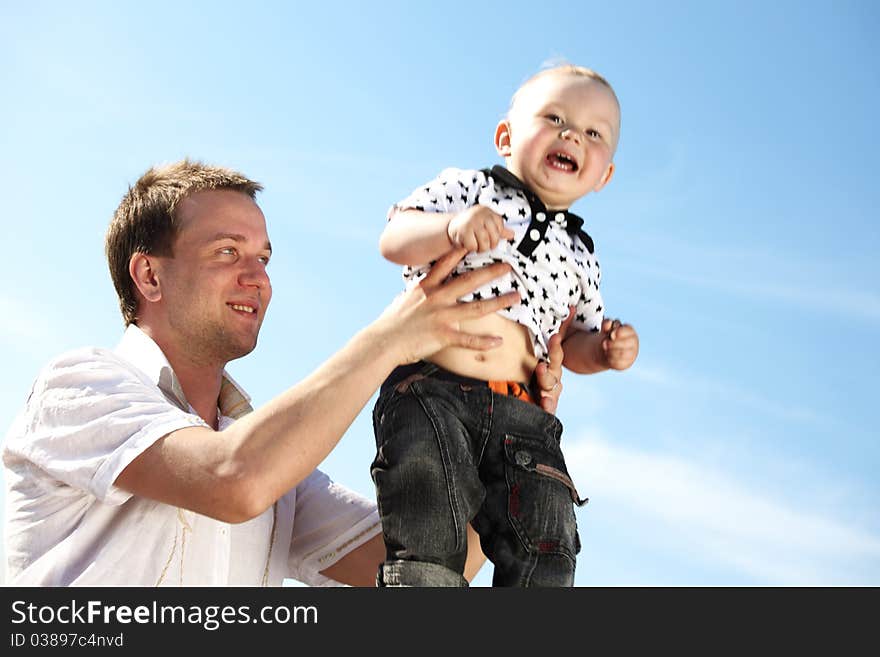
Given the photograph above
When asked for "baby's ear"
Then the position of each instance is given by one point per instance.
(606, 177)
(502, 138)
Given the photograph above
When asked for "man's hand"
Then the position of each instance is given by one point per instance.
(621, 344)
(427, 317)
(549, 377)
(477, 229)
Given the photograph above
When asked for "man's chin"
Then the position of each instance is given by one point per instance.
(242, 350)
(239, 348)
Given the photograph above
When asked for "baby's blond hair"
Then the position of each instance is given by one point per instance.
(563, 69)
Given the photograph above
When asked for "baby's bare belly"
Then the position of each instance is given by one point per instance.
(514, 360)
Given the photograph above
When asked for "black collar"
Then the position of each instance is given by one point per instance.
(573, 223)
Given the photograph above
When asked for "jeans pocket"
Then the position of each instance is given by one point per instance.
(540, 495)
(389, 396)
(384, 413)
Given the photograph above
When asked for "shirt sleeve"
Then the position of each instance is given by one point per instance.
(89, 415)
(453, 190)
(590, 308)
(329, 522)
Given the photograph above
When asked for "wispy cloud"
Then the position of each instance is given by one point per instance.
(861, 304)
(835, 301)
(25, 323)
(727, 521)
(697, 384)
(651, 373)
(766, 276)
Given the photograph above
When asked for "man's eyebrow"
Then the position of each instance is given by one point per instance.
(237, 237)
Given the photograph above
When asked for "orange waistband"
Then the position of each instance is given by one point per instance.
(511, 388)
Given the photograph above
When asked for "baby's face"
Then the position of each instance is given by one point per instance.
(560, 137)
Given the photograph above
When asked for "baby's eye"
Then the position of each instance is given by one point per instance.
(593, 134)
(555, 119)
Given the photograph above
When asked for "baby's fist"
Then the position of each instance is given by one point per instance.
(477, 229)
(621, 344)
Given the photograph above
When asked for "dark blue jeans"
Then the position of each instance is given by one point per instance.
(449, 452)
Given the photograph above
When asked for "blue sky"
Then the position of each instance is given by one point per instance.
(739, 234)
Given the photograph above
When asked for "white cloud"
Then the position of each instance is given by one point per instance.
(727, 521)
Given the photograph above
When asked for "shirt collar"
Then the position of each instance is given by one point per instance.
(573, 223)
(141, 351)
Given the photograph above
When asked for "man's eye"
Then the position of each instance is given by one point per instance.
(227, 250)
(264, 259)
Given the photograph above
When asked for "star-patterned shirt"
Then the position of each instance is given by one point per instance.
(553, 262)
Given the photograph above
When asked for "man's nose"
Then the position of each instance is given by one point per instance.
(254, 275)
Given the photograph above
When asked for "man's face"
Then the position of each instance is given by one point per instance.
(215, 288)
(560, 137)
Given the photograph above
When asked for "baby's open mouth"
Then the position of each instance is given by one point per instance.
(562, 162)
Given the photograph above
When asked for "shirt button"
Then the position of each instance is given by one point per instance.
(540, 216)
(535, 234)
(559, 217)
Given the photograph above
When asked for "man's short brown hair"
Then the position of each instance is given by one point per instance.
(145, 220)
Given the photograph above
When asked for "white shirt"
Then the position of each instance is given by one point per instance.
(553, 262)
(90, 413)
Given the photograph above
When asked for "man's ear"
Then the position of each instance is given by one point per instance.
(502, 138)
(606, 177)
(142, 269)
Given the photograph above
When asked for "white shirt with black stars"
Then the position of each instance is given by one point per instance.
(553, 262)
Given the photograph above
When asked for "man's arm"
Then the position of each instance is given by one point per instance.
(236, 474)
(360, 566)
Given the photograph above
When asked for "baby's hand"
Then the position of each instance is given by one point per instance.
(477, 229)
(621, 344)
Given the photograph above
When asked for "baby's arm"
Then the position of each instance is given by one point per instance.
(414, 237)
(614, 347)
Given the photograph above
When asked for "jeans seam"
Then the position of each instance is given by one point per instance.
(533, 563)
(443, 448)
(487, 428)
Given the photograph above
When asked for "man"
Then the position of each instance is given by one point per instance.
(147, 466)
